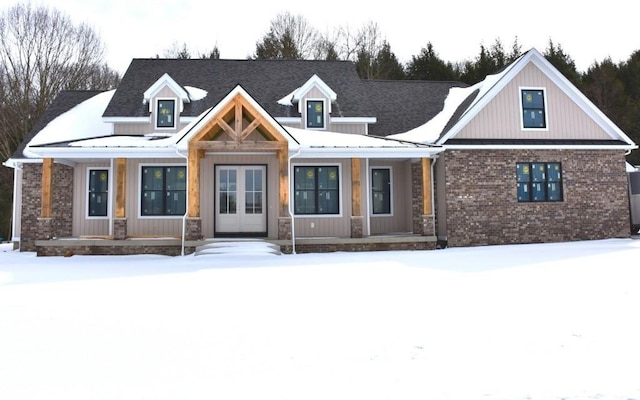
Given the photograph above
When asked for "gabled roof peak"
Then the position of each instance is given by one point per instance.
(166, 81)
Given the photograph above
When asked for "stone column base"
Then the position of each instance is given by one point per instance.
(45, 228)
(428, 225)
(357, 224)
(193, 229)
(119, 228)
(284, 228)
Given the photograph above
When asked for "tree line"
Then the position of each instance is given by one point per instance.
(43, 52)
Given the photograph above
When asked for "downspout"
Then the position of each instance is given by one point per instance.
(291, 213)
(110, 212)
(186, 207)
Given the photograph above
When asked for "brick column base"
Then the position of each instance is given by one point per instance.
(357, 224)
(284, 228)
(45, 227)
(428, 225)
(193, 230)
(119, 228)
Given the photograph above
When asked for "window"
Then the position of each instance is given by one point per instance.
(315, 114)
(381, 190)
(316, 190)
(166, 114)
(539, 181)
(163, 191)
(533, 109)
(98, 192)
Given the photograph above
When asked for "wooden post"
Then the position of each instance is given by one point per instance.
(194, 182)
(47, 190)
(283, 165)
(426, 187)
(121, 187)
(355, 188)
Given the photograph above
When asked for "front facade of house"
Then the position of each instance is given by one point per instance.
(308, 156)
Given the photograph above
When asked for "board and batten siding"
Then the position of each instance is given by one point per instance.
(82, 224)
(400, 220)
(501, 118)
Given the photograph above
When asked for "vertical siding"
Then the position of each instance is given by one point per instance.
(334, 226)
(400, 220)
(82, 225)
(17, 206)
(502, 118)
(148, 226)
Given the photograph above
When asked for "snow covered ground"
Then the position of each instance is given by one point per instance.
(553, 321)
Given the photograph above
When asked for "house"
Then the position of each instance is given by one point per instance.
(310, 157)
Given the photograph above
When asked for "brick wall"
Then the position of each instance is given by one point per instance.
(61, 223)
(482, 204)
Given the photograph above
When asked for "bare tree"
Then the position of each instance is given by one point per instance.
(289, 37)
(41, 53)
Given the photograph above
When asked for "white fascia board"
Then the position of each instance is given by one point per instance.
(537, 147)
(127, 120)
(371, 152)
(335, 120)
(101, 152)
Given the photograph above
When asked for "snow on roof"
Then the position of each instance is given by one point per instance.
(83, 121)
(195, 93)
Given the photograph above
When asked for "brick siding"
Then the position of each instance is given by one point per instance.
(483, 209)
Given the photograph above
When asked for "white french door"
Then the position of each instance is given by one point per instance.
(241, 199)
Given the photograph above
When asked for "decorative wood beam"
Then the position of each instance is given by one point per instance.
(355, 188)
(227, 128)
(195, 155)
(249, 146)
(426, 187)
(121, 187)
(47, 190)
(283, 167)
(249, 129)
(238, 119)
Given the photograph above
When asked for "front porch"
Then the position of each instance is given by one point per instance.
(173, 246)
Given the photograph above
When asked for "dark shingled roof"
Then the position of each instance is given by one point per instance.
(63, 102)
(398, 105)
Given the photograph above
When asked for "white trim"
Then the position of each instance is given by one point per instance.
(325, 114)
(391, 193)
(537, 147)
(292, 185)
(88, 192)
(521, 109)
(127, 120)
(333, 120)
(155, 114)
(166, 81)
(159, 164)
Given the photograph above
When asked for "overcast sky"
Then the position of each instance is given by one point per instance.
(142, 28)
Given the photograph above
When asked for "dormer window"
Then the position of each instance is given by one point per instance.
(166, 117)
(315, 114)
(534, 114)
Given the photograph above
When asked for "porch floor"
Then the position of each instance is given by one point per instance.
(173, 246)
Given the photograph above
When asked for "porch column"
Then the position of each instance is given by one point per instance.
(194, 223)
(284, 219)
(46, 201)
(428, 220)
(357, 221)
(120, 216)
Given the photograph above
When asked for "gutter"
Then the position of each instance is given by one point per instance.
(291, 213)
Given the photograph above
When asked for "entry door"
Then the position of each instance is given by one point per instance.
(240, 199)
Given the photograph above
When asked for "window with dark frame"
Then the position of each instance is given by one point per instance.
(164, 191)
(98, 192)
(317, 190)
(533, 111)
(166, 114)
(539, 181)
(381, 190)
(315, 114)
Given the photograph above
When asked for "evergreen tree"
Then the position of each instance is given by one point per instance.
(429, 66)
(563, 63)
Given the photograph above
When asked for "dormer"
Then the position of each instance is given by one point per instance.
(314, 100)
(166, 99)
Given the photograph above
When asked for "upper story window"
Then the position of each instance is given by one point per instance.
(534, 114)
(166, 117)
(315, 114)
